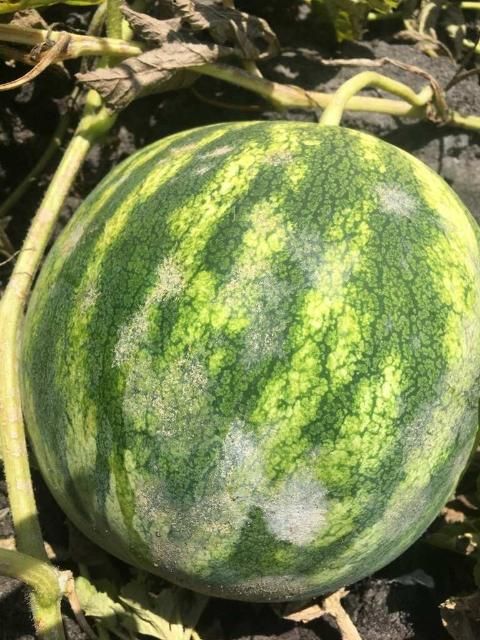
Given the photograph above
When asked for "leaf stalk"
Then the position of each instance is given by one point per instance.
(333, 113)
(95, 121)
(282, 96)
(46, 584)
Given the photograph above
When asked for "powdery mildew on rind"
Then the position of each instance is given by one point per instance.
(251, 351)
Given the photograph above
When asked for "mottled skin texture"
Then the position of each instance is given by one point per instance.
(251, 360)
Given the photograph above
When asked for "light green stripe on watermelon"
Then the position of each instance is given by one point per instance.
(186, 376)
(271, 348)
(153, 175)
(136, 325)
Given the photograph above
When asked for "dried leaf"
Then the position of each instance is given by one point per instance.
(422, 24)
(306, 615)
(417, 576)
(461, 617)
(225, 25)
(28, 18)
(51, 56)
(451, 515)
(135, 598)
(7, 543)
(188, 11)
(460, 537)
(154, 71)
(331, 606)
(348, 17)
(150, 29)
(468, 502)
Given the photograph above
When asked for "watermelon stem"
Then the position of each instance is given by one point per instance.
(78, 45)
(287, 96)
(282, 96)
(114, 19)
(45, 582)
(334, 111)
(94, 122)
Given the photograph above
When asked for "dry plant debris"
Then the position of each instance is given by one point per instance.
(176, 48)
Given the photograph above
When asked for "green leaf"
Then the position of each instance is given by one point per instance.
(169, 615)
(349, 17)
(96, 603)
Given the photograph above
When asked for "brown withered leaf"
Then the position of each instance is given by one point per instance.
(150, 29)
(451, 515)
(329, 606)
(188, 11)
(226, 26)
(7, 543)
(154, 71)
(306, 615)
(29, 18)
(167, 66)
(461, 618)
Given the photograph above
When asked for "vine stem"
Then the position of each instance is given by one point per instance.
(114, 19)
(78, 45)
(282, 96)
(287, 96)
(11, 7)
(337, 105)
(46, 584)
(94, 122)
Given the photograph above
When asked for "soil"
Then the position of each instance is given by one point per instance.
(400, 602)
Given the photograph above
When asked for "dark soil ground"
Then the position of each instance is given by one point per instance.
(400, 602)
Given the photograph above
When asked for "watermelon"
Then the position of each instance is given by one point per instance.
(251, 360)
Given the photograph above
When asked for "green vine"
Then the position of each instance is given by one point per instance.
(47, 586)
(95, 121)
(332, 114)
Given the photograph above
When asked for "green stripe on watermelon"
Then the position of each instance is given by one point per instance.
(265, 351)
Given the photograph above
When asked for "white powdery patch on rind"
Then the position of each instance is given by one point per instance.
(279, 158)
(239, 451)
(218, 152)
(307, 247)
(203, 169)
(297, 511)
(174, 400)
(269, 320)
(169, 283)
(253, 288)
(393, 199)
(89, 297)
(294, 512)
